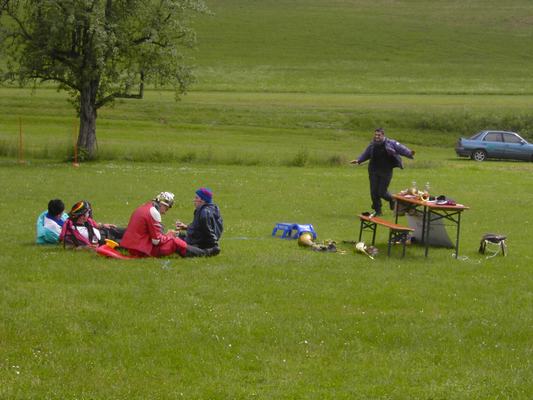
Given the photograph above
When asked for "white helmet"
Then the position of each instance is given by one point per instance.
(166, 198)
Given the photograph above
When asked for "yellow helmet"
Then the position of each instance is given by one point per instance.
(305, 239)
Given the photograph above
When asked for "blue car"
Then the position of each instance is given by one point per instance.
(495, 144)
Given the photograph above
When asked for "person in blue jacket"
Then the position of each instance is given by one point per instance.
(50, 222)
(207, 225)
(384, 155)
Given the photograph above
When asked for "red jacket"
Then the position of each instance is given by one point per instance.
(144, 231)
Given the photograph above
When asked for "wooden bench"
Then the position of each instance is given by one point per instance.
(397, 233)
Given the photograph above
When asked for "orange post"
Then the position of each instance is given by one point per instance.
(21, 143)
(75, 162)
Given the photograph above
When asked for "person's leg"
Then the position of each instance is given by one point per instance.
(113, 233)
(374, 191)
(175, 245)
(193, 251)
(383, 187)
(179, 246)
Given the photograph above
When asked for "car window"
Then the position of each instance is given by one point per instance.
(476, 136)
(510, 138)
(493, 137)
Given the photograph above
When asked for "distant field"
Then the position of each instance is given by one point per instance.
(253, 128)
(367, 46)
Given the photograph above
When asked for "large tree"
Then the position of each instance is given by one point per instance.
(97, 50)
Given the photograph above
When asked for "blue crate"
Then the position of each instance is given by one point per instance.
(292, 231)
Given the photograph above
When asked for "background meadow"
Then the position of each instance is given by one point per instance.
(286, 94)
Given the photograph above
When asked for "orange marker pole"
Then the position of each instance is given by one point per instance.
(75, 163)
(21, 143)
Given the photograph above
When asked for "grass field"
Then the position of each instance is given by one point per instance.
(266, 319)
(367, 46)
(287, 93)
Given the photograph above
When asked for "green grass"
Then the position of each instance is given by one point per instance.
(287, 93)
(266, 319)
(367, 46)
(253, 128)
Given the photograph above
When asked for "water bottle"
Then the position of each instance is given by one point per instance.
(414, 188)
(426, 192)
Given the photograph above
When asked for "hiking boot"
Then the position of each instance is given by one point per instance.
(213, 251)
(193, 251)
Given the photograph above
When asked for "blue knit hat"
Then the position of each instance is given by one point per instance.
(205, 194)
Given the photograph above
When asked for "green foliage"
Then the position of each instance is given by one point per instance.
(97, 51)
(119, 44)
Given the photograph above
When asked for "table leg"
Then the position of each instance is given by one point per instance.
(427, 225)
(424, 222)
(457, 238)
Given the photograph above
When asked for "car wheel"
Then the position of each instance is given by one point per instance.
(479, 155)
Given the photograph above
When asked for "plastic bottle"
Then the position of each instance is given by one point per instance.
(425, 195)
(414, 188)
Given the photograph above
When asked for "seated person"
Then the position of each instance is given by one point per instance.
(50, 222)
(80, 229)
(145, 237)
(207, 225)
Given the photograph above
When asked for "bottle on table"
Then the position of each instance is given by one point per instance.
(414, 188)
(425, 195)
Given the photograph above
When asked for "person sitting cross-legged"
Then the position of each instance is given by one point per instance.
(207, 225)
(145, 237)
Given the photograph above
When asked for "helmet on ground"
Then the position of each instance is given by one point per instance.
(79, 209)
(305, 239)
(166, 198)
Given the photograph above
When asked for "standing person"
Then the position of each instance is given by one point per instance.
(207, 225)
(384, 155)
(50, 222)
(144, 235)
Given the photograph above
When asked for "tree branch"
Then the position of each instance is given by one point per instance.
(45, 78)
(124, 95)
(15, 18)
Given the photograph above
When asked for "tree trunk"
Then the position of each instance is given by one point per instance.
(87, 146)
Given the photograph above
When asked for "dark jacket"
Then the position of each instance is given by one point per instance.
(206, 228)
(394, 149)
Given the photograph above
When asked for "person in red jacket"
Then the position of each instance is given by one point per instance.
(144, 235)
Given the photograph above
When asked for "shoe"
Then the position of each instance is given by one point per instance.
(213, 251)
(193, 251)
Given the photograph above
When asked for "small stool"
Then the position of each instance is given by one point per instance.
(493, 239)
(293, 231)
(285, 228)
